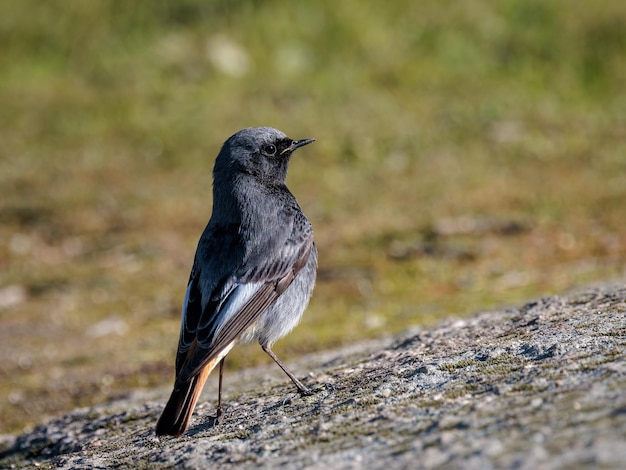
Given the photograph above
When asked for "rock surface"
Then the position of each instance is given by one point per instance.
(540, 386)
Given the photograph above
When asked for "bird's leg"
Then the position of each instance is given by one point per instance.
(220, 412)
(304, 391)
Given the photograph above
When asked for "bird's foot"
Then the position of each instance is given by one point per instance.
(306, 392)
(219, 416)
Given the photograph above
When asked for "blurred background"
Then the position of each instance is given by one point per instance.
(469, 155)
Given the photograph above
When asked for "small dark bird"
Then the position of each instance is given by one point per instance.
(254, 269)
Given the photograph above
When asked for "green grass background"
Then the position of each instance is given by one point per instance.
(469, 155)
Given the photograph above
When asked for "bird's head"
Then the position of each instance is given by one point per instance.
(263, 152)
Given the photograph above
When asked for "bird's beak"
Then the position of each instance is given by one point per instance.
(297, 144)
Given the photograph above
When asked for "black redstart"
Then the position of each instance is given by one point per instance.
(254, 269)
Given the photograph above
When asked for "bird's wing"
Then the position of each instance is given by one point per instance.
(192, 309)
(238, 300)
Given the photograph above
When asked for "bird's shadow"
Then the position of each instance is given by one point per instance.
(216, 420)
(208, 423)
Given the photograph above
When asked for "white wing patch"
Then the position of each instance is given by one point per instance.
(239, 296)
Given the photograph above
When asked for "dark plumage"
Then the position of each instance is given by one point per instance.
(254, 269)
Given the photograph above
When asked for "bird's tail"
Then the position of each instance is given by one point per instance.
(180, 406)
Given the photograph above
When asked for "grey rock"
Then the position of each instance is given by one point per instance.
(540, 386)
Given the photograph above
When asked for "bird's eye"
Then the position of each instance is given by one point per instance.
(269, 149)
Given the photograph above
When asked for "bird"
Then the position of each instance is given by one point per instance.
(253, 272)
